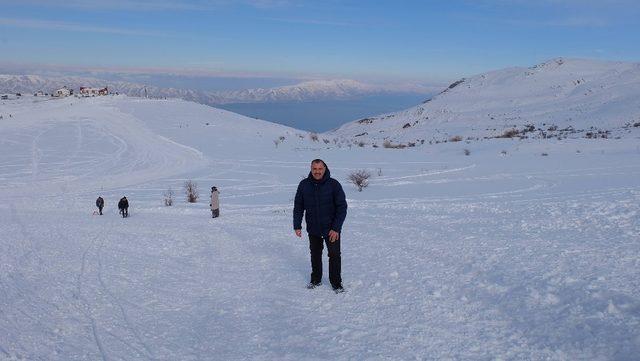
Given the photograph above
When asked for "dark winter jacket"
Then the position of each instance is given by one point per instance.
(99, 202)
(323, 203)
(123, 204)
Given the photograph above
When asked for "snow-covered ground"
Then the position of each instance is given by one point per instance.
(502, 254)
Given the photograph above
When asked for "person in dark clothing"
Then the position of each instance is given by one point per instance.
(123, 206)
(100, 204)
(322, 201)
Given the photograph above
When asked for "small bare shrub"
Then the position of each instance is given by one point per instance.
(191, 190)
(455, 138)
(509, 133)
(387, 144)
(168, 197)
(467, 152)
(313, 136)
(359, 178)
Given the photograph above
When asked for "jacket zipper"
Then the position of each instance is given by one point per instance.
(318, 208)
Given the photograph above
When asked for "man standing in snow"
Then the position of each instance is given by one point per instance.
(215, 202)
(123, 206)
(100, 204)
(322, 201)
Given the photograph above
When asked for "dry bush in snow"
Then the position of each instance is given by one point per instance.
(191, 190)
(168, 197)
(359, 178)
(510, 133)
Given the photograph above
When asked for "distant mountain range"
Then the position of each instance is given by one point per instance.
(558, 98)
(340, 89)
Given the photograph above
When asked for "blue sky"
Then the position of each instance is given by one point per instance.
(383, 40)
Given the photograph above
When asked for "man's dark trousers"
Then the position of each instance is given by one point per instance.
(333, 248)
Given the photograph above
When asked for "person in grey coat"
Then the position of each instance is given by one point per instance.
(215, 202)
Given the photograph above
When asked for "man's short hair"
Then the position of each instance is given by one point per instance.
(318, 160)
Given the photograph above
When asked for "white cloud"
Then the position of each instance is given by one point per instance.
(312, 21)
(570, 22)
(149, 5)
(67, 26)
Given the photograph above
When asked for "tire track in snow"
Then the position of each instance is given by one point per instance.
(86, 310)
(149, 352)
(94, 251)
(386, 179)
(30, 254)
(36, 155)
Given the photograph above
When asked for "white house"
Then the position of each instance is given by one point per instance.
(86, 91)
(62, 92)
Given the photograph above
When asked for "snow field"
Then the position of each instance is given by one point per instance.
(445, 256)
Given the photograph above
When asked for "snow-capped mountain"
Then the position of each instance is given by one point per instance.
(47, 84)
(340, 89)
(558, 97)
(318, 90)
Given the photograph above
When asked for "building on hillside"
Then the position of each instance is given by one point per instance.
(90, 92)
(62, 92)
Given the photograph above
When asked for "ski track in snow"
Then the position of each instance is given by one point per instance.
(480, 257)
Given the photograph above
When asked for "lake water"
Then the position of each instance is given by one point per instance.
(321, 116)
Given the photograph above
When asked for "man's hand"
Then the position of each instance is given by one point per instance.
(333, 236)
(298, 232)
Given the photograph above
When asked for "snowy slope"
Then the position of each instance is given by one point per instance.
(561, 93)
(501, 254)
(88, 143)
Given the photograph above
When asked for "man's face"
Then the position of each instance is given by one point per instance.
(317, 170)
